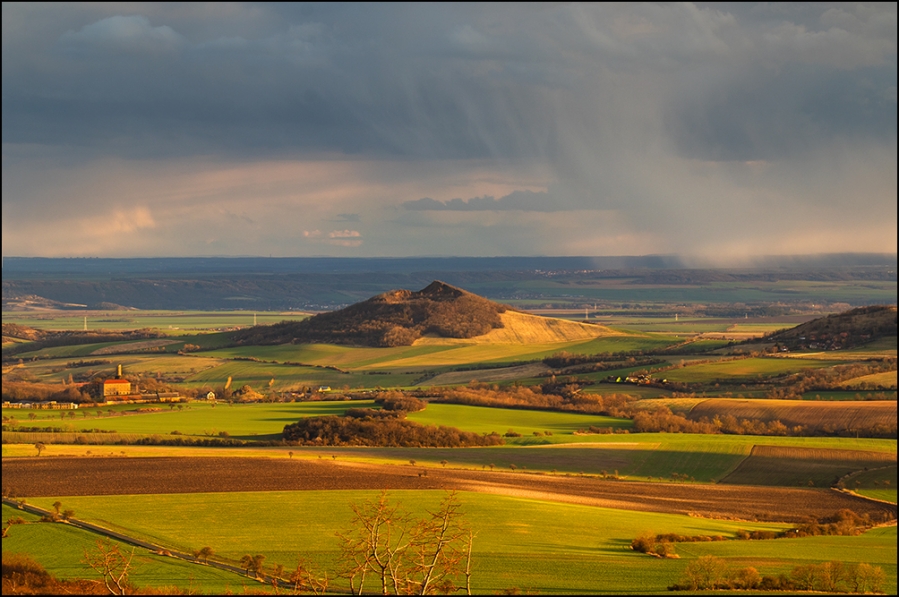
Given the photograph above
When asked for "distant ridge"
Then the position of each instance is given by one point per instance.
(394, 318)
(842, 330)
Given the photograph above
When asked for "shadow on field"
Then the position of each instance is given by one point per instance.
(259, 437)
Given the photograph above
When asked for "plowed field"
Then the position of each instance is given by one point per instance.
(58, 477)
(809, 414)
(782, 465)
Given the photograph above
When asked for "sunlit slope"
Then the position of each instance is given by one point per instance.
(523, 328)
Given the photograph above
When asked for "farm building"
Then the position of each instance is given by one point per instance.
(116, 387)
(52, 404)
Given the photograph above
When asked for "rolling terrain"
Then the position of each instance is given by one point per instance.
(197, 473)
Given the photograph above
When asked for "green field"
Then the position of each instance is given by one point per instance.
(480, 419)
(878, 483)
(542, 546)
(170, 322)
(63, 559)
(241, 421)
(742, 369)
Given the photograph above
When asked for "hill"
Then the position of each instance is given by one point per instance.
(524, 328)
(394, 318)
(434, 314)
(841, 330)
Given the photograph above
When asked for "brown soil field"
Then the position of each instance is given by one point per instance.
(785, 466)
(490, 375)
(59, 477)
(809, 414)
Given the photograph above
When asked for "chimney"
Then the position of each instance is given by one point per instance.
(119, 372)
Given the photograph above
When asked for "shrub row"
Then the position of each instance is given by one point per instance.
(379, 430)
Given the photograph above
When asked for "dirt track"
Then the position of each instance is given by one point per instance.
(58, 477)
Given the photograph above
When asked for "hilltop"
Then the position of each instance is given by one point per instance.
(434, 314)
(841, 330)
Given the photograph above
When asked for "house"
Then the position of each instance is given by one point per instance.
(324, 388)
(116, 387)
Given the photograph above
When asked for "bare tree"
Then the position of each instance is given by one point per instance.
(111, 564)
(375, 544)
(305, 580)
(40, 447)
(405, 554)
(443, 543)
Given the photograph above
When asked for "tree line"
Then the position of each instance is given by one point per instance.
(370, 427)
(708, 573)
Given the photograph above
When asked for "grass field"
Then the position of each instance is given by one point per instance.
(886, 379)
(542, 546)
(878, 483)
(246, 421)
(68, 543)
(170, 322)
(758, 367)
(520, 542)
(480, 419)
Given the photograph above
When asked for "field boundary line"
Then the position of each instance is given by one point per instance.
(864, 497)
(846, 477)
(734, 467)
(151, 547)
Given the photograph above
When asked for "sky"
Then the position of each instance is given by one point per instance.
(718, 132)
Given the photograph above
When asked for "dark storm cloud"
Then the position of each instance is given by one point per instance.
(663, 125)
(442, 81)
(129, 84)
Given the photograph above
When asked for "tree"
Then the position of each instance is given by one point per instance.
(56, 506)
(258, 566)
(10, 522)
(68, 514)
(407, 555)
(246, 562)
(204, 554)
(40, 447)
(305, 580)
(252, 563)
(443, 543)
(706, 572)
(866, 578)
(111, 564)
